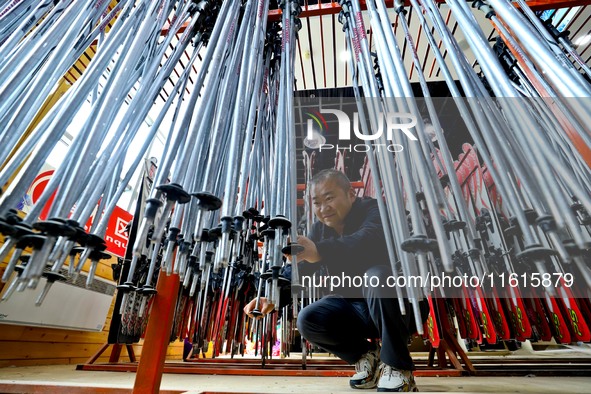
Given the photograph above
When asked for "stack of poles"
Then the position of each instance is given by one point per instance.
(522, 133)
(220, 182)
(101, 141)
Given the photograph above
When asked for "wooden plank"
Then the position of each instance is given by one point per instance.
(28, 363)
(103, 269)
(101, 359)
(52, 350)
(2, 269)
(37, 350)
(11, 352)
(59, 389)
(107, 265)
(173, 351)
(48, 361)
(76, 360)
(40, 334)
(107, 323)
(105, 272)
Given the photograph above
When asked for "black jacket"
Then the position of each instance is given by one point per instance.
(361, 246)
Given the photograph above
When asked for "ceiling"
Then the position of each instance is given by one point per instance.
(321, 50)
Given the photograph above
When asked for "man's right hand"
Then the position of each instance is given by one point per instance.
(264, 306)
(310, 252)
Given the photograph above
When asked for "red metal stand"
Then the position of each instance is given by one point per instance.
(449, 346)
(115, 353)
(151, 365)
(252, 367)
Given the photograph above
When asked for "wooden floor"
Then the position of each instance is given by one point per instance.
(66, 379)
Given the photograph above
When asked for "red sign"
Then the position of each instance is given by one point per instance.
(37, 188)
(115, 237)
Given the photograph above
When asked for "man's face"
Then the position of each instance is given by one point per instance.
(331, 203)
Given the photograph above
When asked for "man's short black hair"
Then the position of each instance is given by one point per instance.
(341, 179)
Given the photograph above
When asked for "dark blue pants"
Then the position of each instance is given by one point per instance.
(343, 326)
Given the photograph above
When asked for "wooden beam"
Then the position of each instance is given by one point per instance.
(540, 5)
(335, 8)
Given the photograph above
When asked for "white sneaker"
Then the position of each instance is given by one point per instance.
(366, 371)
(396, 380)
